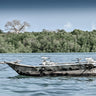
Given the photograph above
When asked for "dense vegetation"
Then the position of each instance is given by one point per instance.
(48, 41)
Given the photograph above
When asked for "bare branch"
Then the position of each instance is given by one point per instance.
(16, 26)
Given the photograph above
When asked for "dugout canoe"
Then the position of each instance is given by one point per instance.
(55, 69)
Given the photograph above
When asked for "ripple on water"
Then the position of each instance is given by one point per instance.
(12, 84)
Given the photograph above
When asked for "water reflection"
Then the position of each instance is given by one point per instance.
(61, 78)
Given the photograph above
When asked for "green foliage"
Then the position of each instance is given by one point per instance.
(48, 41)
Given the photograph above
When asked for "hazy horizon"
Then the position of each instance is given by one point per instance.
(50, 14)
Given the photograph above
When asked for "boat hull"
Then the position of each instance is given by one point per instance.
(60, 70)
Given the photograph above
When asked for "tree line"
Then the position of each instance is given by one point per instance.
(48, 41)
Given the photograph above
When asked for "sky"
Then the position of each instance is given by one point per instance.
(50, 14)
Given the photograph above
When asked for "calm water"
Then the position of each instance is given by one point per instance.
(12, 84)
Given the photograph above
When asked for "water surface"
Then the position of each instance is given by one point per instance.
(12, 84)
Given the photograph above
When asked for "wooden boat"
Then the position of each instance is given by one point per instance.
(56, 69)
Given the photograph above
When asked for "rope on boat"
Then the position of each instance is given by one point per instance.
(87, 67)
(42, 71)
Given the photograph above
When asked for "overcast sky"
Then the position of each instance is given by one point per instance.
(50, 14)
